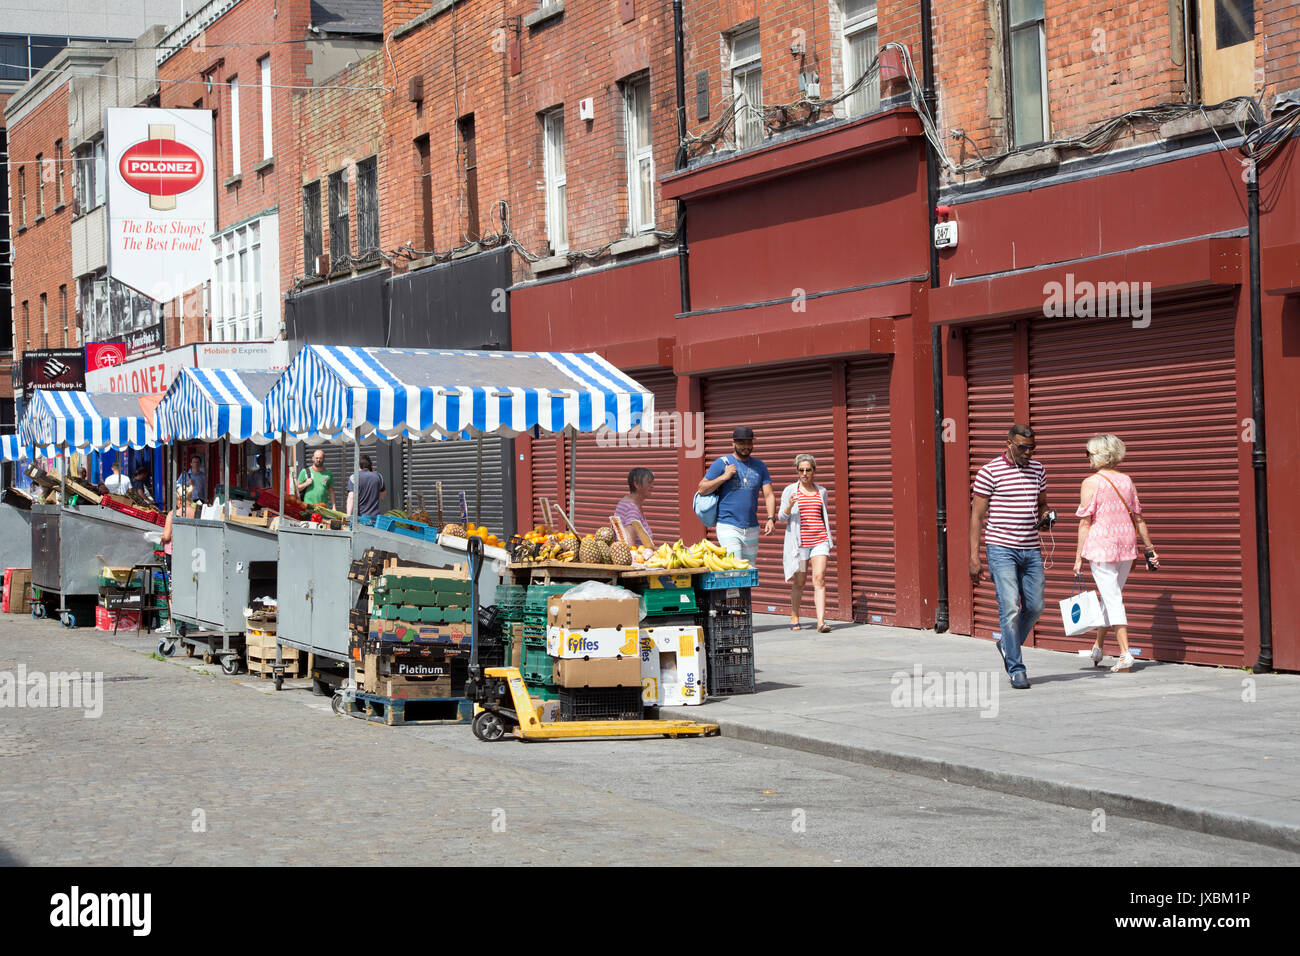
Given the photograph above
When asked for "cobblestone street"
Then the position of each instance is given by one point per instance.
(190, 767)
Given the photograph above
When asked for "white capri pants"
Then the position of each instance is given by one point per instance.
(1110, 577)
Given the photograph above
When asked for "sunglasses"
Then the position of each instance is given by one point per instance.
(1030, 447)
(807, 470)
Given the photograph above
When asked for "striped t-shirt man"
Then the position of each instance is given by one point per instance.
(1013, 493)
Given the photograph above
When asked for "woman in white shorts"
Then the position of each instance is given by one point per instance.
(807, 539)
(1109, 513)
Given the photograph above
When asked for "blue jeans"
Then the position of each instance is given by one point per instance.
(1018, 576)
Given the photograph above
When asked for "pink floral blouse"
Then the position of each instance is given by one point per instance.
(1112, 536)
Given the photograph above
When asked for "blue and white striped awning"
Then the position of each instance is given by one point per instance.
(86, 420)
(207, 404)
(13, 448)
(332, 392)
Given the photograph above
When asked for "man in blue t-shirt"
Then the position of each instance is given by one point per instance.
(737, 479)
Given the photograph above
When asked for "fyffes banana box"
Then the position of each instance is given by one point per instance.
(566, 642)
(672, 665)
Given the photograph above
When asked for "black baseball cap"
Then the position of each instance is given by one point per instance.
(742, 433)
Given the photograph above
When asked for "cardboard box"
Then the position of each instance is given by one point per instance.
(600, 672)
(597, 642)
(602, 613)
(20, 589)
(672, 666)
(517, 651)
(395, 688)
(549, 710)
(408, 632)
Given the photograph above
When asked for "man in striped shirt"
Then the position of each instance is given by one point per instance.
(1011, 493)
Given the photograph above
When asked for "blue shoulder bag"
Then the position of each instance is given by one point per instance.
(706, 507)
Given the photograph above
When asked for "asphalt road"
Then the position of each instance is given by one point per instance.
(188, 766)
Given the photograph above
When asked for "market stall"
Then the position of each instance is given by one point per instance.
(15, 513)
(340, 394)
(71, 544)
(225, 561)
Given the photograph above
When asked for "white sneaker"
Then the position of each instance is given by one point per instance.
(1096, 655)
(1124, 665)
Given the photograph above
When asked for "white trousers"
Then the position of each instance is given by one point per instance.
(1110, 577)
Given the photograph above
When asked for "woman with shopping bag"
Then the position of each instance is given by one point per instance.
(1110, 519)
(807, 540)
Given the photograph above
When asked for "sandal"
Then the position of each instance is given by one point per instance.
(823, 628)
(794, 624)
(1124, 665)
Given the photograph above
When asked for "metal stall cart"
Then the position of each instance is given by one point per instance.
(219, 565)
(71, 545)
(335, 393)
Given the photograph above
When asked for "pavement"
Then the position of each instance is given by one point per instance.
(1207, 749)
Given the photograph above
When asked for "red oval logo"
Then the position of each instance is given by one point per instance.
(161, 167)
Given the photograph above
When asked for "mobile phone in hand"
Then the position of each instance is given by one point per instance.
(1151, 565)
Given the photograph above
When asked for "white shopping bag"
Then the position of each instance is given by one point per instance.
(1081, 612)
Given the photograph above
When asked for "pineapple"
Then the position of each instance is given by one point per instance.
(455, 530)
(620, 553)
(421, 515)
(589, 551)
(605, 534)
(606, 557)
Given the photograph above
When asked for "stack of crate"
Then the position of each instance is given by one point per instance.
(259, 645)
(511, 600)
(596, 663)
(420, 632)
(726, 617)
(369, 565)
(535, 665)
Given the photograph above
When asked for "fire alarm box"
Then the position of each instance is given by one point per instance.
(587, 109)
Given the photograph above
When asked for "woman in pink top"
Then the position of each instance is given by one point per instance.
(1108, 513)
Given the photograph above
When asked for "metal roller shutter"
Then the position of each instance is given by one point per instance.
(602, 471)
(791, 411)
(338, 461)
(871, 493)
(545, 475)
(455, 463)
(1169, 391)
(990, 410)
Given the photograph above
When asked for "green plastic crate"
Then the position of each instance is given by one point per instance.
(536, 665)
(665, 601)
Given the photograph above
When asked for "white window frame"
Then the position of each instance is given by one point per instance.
(101, 173)
(242, 272)
(553, 168)
(234, 126)
(749, 130)
(264, 70)
(867, 97)
(636, 93)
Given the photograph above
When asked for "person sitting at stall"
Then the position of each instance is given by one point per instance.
(259, 477)
(640, 483)
(117, 483)
(372, 490)
(140, 485)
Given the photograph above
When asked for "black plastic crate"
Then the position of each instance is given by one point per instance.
(672, 620)
(730, 673)
(727, 629)
(600, 703)
(491, 654)
(737, 640)
(731, 600)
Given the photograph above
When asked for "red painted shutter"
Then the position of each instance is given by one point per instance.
(601, 477)
(1169, 391)
(990, 410)
(871, 493)
(791, 411)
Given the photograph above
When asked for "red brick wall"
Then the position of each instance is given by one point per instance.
(42, 251)
(6, 384)
(233, 45)
(1277, 46)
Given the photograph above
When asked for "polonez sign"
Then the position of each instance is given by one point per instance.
(161, 205)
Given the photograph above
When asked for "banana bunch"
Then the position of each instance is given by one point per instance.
(702, 554)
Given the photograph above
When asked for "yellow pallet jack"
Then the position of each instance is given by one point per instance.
(493, 719)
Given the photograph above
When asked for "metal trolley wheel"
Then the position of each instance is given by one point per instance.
(166, 648)
(489, 726)
(38, 609)
(339, 705)
(230, 664)
(68, 619)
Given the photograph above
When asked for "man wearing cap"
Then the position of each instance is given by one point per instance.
(737, 479)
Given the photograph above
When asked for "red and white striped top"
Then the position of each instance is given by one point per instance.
(1013, 502)
(812, 528)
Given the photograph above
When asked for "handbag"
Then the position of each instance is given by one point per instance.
(1131, 517)
(706, 507)
(1081, 611)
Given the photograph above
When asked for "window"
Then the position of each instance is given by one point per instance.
(63, 311)
(264, 70)
(1028, 67)
(234, 126)
(40, 186)
(340, 241)
(45, 317)
(747, 87)
(557, 223)
(640, 156)
(426, 190)
(237, 280)
(58, 162)
(860, 46)
(27, 322)
(368, 205)
(469, 153)
(1234, 22)
(311, 227)
(22, 196)
(92, 299)
(91, 181)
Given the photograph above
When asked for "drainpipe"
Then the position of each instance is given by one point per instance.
(1258, 454)
(936, 334)
(679, 161)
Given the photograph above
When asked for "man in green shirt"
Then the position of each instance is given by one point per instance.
(315, 483)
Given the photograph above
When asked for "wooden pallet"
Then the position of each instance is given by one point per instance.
(394, 713)
(266, 669)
